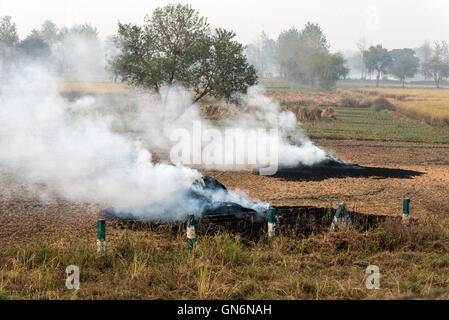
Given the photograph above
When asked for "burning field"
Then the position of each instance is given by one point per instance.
(67, 163)
(151, 261)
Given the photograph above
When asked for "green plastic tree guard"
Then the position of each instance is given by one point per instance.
(341, 218)
(101, 235)
(340, 211)
(406, 212)
(271, 223)
(406, 206)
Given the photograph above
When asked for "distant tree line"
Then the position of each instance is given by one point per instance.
(301, 55)
(177, 46)
(431, 62)
(304, 55)
(74, 51)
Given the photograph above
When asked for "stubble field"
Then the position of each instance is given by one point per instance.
(39, 240)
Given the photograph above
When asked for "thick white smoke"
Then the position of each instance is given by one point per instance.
(96, 149)
(300, 150)
(156, 122)
(47, 140)
(43, 141)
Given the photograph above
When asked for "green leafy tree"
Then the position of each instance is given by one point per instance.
(404, 64)
(224, 70)
(313, 38)
(377, 59)
(176, 46)
(297, 50)
(329, 68)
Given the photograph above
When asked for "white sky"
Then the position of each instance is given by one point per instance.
(394, 23)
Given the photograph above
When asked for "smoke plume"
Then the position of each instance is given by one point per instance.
(47, 140)
(98, 149)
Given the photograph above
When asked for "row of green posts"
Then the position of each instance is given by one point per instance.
(190, 225)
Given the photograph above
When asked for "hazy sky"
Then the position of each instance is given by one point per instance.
(394, 23)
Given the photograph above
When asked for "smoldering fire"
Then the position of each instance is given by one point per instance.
(70, 147)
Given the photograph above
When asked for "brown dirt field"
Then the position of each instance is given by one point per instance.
(31, 230)
(428, 191)
(374, 195)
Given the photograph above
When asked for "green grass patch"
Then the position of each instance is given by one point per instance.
(365, 123)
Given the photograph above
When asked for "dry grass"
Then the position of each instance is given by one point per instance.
(291, 99)
(218, 111)
(154, 265)
(77, 87)
(312, 113)
(382, 103)
(329, 113)
(338, 98)
(431, 106)
(94, 87)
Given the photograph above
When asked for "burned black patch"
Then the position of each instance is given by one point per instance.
(200, 190)
(299, 221)
(334, 168)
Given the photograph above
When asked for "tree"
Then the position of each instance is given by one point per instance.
(437, 66)
(261, 54)
(286, 51)
(34, 48)
(312, 42)
(442, 50)
(8, 32)
(78, 52)
(377, 59)
(361, 45)
(313, 38)
(296, 51)
(8, 42)
(329, 68)
(226, 70)
(425, 51)
(176, 46)
(436, 69)
(49, 32)
(404, 64)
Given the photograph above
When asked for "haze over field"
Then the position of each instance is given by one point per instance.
(344, 22)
